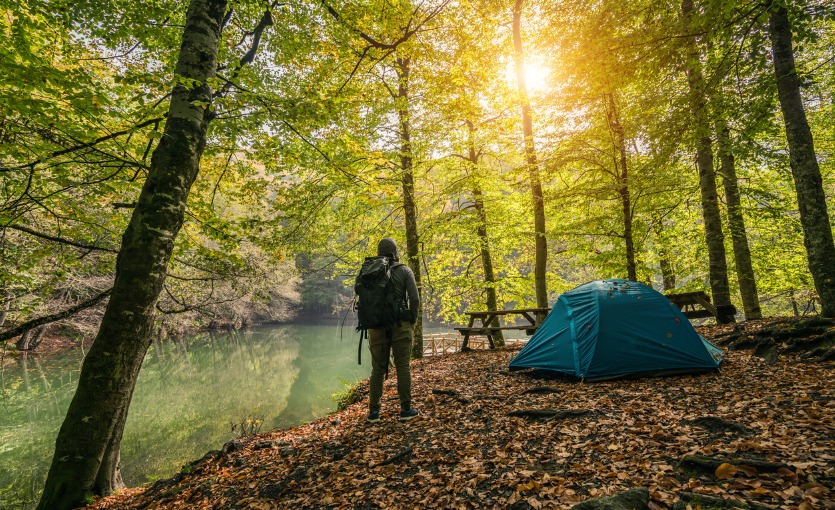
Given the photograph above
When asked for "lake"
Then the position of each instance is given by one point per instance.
(189, 394)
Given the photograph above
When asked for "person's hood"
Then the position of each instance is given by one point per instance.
(388, 247)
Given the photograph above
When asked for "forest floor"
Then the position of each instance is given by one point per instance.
(759, 433)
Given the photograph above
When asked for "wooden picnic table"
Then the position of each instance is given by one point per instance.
(695, 305)
(533, 316)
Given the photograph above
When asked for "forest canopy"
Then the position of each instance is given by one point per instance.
(334, 124)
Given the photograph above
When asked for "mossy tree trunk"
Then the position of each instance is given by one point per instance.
(811, 198)
(401, 101)
(86, 453)
(714, 238)
(541, 243)
(736, 224)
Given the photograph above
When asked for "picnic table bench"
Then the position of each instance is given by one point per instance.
(533, 316)
(688, 303)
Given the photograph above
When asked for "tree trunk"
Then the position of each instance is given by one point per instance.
(36, 337)
(811, 198)
(621, 171)
(668, 276)
(793, 300)
(665, 258)
(541, 243)
(22, 343)
(91, 432)
(408, 180)
(736, 224)
(714, 238)
(483, 238)
(8, 297)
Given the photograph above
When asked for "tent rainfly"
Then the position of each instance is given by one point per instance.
(607, 329)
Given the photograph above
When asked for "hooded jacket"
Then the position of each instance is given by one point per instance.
(401, 276)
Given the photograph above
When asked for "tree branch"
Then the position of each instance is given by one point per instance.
(265, 21)
(46, 319)
(85, 145)
(60, 239)
(384, 45)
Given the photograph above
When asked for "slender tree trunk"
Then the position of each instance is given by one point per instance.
(811, 198)
(408, 180)
(91, 432)
(483, 238)
(668, 276)
(715, 239)
(541, 243)
(665, 258)
(793, 300)
(621, 170)
(8, 297)
(736, 224)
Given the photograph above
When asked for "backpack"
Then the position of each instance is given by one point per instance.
(377, 305)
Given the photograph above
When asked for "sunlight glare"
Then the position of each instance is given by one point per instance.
(536, 75)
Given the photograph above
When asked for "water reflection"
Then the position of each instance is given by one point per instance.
(188, 393)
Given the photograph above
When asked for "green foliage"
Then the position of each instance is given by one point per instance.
(301, 174)
(347, 396)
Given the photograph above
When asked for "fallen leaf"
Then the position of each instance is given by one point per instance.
(725, 471)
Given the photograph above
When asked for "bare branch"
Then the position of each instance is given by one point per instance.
(60, 239)
(409, 32)
(81, 146)
(265, 21)
(46, 319)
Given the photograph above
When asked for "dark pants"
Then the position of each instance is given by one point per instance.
(381, 348)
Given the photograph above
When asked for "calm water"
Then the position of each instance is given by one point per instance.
(188, 394)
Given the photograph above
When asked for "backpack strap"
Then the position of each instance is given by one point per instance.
(363, 334)
(405, 302)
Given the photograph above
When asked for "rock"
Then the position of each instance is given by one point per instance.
(768, 351)
(634, 499)
(232, 446)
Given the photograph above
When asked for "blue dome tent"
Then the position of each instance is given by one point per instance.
(613, 328)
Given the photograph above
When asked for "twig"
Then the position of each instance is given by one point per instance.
(394, 458)
(83, 145)
(60, 239)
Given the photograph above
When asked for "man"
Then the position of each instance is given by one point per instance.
(396, 340)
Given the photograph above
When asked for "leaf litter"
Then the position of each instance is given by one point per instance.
(757, 433)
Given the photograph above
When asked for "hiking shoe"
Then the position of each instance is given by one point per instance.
(373, 416)
(408, 414)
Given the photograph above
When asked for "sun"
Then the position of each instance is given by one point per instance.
(537, 75)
